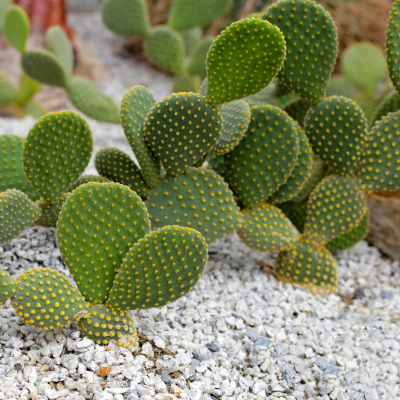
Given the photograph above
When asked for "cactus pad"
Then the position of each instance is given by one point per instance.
(197, 63)
(56, 152)
(364, 64)
(312, 43)
(352, 237)
(49, 212)
(339, 85)
(27, 89)
(336, 206)
(46, 299)
(181, 129)
(191, 38)
(4, 6)
(104, 324)
(34, 109)
(336, 128)
(134, 108)
(16, 27)
(236, 74)
(12, 175)
(97, 225)
(235, 122)
(216, 163)
(391, 103)
(265, 95)
(126, 17)
(8, 92)
(266, 228)
(198, 199)
(380, 164)
(114, 164)
(314, 269)
(271, 144)
(89, 99)
(7, 286)
(44, 67)
(300, 174)
(186, 83)
(188, 13)
(17, 212)
(392, 45)
(165, 48)
(87, 179)
(158, 269)
(59, 44)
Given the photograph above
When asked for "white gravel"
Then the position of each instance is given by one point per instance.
(240, 334)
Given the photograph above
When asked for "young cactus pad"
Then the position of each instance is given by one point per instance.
(119, 167)
(266, 228)
(104, 324)
(335, 207)
(311, 42)
(16, 27)
(198, 199)
(8, 91)
(17, 212)
(97, 225)
(134, 108)
(380, 163)
(272, 145)
(235, 122)
(158, 269)
(181, 129)
(56, 152)
(243, 59)
(7, 286)
(312, 268)
(46, 299)
(336, 128)
(12, 175)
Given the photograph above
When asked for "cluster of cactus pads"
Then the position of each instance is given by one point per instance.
(51, 67)
(259, 150)
(178, 47)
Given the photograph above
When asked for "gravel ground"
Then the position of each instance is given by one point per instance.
(240, 334)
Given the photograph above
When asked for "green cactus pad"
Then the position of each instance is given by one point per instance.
(185, 14)
(56, 152)
(33, 109)
(46, 299)
(114, 164)
(4, 6)
(300, 174)
(158, 269)
(339, 85)
(318, 172)
(87, 179)
(298, 110)
(165, 48)
(17, 212)
(203, 88)
(181, 129)
(59, 44)
(234, 74)
(296, 212)
(312, 43)
(266, 228)
(7, 286)
(97, 225)
(390, 103)
(271, 144)
(312, 268)
(352, 237)
(12, 175)
(134, 108)
(8, 91)
(45, 67)
(266, 95)
(49, 212)
(336, 206)
(191, 38)
(16, 27)
(392, 45)
(235, 122)
(216, 163)
(368, 104)
(27, 89)
(89, 99)
(186, 83)
(104, 324)
(380, 163)
(336, 128)
(364, 64)
(198, 199)
(197, 63)
(126, 17)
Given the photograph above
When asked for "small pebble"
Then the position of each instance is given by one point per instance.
(262, 341)
(212, 347)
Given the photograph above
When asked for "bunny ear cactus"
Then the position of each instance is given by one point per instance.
(7, 286)
(231, 75)
(16, 27)
(181, 129)
(4, 6)
(17, 212)
(27, 89)
(197, 65)
(392, 45)
(311, 42)
(186, 83)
